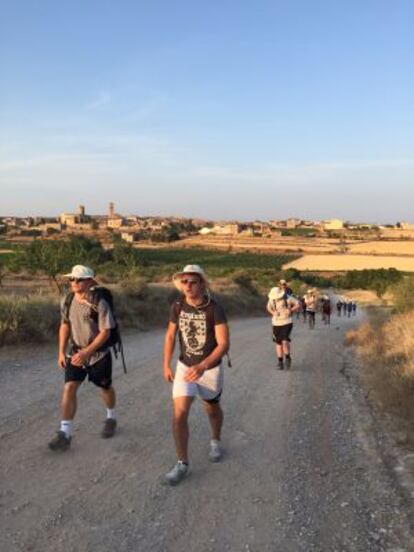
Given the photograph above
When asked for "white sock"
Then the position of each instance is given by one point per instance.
(214, 442)
(110, 413)
(66, 427)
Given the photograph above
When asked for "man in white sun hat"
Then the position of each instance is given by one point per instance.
(281, 307)
(84, 331)
(311, 301)
(201, 325)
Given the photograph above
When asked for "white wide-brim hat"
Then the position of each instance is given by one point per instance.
(276, 293)
(189, 269)
(81, 272)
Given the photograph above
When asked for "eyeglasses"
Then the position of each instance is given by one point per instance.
(190, 282)
(77, 280)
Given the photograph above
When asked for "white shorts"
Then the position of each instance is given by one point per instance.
(207, 387)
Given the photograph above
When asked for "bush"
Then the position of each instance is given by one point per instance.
(404, 294)
(376, 280)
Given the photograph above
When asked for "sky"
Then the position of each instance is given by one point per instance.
(226, 109)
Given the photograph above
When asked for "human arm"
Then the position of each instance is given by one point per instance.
(222, 335)
(295, 306)
(83, 355)
(169, 345)
(64, 333)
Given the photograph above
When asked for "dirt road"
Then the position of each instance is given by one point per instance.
(301, 471)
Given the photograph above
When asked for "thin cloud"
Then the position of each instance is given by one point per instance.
(103, 99)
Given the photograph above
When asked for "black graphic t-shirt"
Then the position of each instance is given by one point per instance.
(196, 329)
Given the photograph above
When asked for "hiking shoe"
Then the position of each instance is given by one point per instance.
(177, 473)
(216, 452)
(108, 428)
(60, 442)
(288, 362)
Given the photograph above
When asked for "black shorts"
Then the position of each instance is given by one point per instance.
(282, 333)
(99, 373)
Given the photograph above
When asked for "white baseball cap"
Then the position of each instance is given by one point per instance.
(81, 272)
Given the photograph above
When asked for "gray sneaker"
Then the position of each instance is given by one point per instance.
(109, 428)
(177, 473)
(216, 452)
(60, 441)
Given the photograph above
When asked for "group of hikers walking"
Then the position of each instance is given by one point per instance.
(88, 330)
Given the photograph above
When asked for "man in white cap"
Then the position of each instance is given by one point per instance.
(84, 331)
(311, 301)
(286, 289)
(203, 332)
(281, 307)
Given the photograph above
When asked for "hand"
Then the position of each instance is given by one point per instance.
(80, 358)
(168, 374)
(62, 360)
(194, 373)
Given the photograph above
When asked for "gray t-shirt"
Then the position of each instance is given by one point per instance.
(84, 327)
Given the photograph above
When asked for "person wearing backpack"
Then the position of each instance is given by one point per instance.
(281, 307)
(201, 325)
(84, 340)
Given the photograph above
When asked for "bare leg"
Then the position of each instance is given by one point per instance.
(181, 410)
(68, 402)
(108, 397)
(286, 347)
(215, 416)
(279, 350)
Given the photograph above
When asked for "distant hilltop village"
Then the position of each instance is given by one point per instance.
(133, 228)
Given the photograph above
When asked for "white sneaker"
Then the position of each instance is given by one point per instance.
(216, 452)
(177, 473)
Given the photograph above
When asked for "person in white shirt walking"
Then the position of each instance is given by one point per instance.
(281, 307)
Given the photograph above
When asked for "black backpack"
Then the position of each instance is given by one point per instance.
(95, 295)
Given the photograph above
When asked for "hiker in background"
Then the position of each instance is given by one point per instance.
(344, 307)
(202, 328)
(349, 308)
(281, 307)
(286, 289)
(83, 352)
(354, 308)
(326, 309)
(311, 306)
(303, 307)
(339, 307)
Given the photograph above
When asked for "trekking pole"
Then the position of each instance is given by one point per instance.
(121, 350)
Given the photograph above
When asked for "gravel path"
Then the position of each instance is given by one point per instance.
(302, 471)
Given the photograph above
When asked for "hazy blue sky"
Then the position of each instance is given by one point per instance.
(220, 109)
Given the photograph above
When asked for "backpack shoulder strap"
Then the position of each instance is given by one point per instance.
(67, 303)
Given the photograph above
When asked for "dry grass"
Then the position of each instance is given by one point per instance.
(383, 248)
(265, 245)
(386, 347)
(35, 318)
(340, 263)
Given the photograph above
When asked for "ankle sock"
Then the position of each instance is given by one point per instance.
(110, 413)
(214, 442)
(280, 360)
(287, 357)
(66, 427)
(182, 462)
